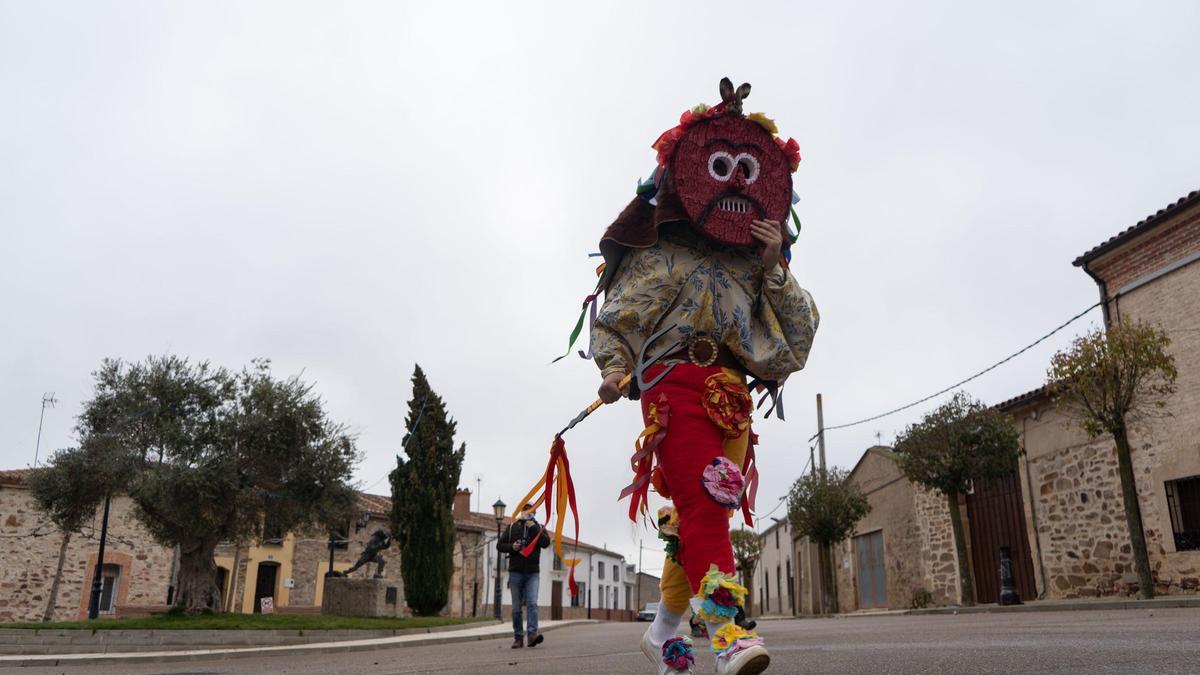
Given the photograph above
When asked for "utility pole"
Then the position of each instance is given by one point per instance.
(638, 577)
(821, 432)
(47, 400)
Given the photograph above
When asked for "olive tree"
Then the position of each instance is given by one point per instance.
(206, 455)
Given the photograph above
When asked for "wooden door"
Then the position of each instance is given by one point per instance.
(996, 516)
(870, 572)
(556, 593)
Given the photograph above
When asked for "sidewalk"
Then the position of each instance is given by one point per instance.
(1083, 604)
(491, 631)
(1069, 605)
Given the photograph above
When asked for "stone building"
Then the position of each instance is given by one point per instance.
(902, 549)
(1075, 515)
(138, 573)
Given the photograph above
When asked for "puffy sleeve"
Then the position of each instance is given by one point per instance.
(793, 312)
(610, 350)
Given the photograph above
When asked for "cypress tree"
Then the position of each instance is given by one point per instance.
(423, 488)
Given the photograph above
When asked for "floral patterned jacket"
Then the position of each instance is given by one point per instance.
(766, 321)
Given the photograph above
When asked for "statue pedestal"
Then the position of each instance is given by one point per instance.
(362, 597)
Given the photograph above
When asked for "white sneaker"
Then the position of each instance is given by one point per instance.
(749, 661)
(654, 653)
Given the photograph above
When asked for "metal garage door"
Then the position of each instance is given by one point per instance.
(872, 580)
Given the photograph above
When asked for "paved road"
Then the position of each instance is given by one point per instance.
(1130, 641)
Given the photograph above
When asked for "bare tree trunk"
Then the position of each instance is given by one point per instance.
(1133, 515)
(198, 590)
(966, 580)
(828, 579)
(53, 600)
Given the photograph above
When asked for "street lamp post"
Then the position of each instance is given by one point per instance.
(98, 575)
(498, 510)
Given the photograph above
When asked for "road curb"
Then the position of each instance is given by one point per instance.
(473, 634)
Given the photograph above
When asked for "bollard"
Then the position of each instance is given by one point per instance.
(1008, 585)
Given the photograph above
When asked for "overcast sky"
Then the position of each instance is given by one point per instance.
(352, 189)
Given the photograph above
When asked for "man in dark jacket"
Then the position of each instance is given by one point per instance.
(523, 541)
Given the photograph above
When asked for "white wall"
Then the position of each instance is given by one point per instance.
(587, 575)
(772, 573)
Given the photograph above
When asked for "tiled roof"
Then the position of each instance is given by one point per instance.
(376, 504)
(14, 476)
(1191, 199)
(1018, 401)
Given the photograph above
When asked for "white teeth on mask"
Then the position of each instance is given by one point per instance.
(734, 204)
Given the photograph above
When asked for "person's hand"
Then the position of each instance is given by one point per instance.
(610, 389)
(769, 233)
(518, 545)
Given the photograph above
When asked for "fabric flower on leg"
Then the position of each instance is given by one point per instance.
(723, 481)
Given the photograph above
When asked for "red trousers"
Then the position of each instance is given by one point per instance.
(692, 441)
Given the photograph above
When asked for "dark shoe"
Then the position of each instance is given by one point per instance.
(518, 643)
(535, 640)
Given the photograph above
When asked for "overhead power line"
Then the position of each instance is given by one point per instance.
(960, 383)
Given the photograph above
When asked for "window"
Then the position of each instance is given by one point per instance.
(341, 538)
(599, 570)
(579, 599)
(110, 583)
(1183, 503)
(601, 595)
(767, 588)
(271, 532)
(558, 563)
(616, 573)
(777, 538)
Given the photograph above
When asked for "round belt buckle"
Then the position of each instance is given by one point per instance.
(702, 350)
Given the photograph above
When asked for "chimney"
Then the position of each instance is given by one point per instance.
(462, 503)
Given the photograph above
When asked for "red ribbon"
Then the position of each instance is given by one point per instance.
(642, 461)
(750, 474)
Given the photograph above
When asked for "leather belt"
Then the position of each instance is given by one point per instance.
(699, 351)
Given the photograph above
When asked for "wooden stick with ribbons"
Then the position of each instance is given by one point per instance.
(556, 487)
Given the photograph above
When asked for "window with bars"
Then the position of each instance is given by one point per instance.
(578, 599)
(1183, 504)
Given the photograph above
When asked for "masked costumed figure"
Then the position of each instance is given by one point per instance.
(697, 265)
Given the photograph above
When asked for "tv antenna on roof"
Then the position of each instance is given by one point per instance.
(48, 400)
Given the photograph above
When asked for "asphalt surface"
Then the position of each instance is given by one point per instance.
(1128, 641)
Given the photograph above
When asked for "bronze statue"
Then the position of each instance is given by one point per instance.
(376, 545)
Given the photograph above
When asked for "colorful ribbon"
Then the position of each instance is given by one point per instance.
(750, 474)
(557, 479)
(642, 461)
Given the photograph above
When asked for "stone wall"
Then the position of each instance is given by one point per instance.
(938, 560)
(29, 548)
(1076, 494)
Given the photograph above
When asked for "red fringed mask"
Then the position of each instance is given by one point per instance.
(728, 170)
